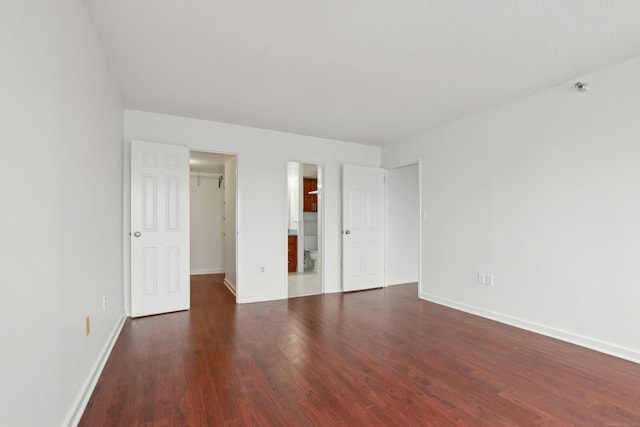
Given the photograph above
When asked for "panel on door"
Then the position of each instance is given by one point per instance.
(159, 228)
(363, 228)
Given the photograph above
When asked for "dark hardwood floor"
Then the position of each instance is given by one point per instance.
(380, 357)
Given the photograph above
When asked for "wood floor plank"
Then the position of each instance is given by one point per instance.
(374, 358)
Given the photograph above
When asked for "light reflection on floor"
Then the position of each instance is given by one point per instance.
(307, 283)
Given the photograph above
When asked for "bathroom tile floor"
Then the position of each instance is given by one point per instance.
(302, 284)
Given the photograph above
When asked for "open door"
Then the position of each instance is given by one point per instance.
(363, 228)
(159, 228)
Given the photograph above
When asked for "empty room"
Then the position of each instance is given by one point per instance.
(412, 213)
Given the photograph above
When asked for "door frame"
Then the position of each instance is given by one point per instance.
(321, 222)
(236, 155)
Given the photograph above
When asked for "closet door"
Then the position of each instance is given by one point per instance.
(159, 228)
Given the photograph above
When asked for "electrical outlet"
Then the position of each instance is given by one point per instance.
(104, 302)
(87, 325)
(489, 279)
(261, 269)
(482, 279)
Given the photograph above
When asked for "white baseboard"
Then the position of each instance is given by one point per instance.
(79, 405)
(401, 280)
(262, 298)
(230, 286)
(207, 271)
(590, 343)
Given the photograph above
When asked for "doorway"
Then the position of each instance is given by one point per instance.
(381, 226)
(213, 215)
(304, 229)
(403, 230)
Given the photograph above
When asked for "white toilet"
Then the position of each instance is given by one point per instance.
(311, 245)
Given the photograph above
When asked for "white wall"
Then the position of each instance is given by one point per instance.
(61, 209)
(262, 190)
(293, 194)
(230, 189)
(543, 193)
(403, 225)
(207, 224)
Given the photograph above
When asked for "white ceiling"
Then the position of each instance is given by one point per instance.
(368, 71)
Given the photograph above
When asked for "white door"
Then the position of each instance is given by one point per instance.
(159, 228)
(363, 228)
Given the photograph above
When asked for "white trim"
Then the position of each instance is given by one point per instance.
(230, 286)
(77, 409)
(207, 271)
(262, 298)
(420, 221)
(385, 279)
(400, 280)
(590, 343)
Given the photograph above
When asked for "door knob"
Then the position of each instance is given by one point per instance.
(347, 231)
(137, 234)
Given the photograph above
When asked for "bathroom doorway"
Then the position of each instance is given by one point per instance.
(304, 229)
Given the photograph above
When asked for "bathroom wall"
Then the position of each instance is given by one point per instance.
(309, 226)
(310, 223)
